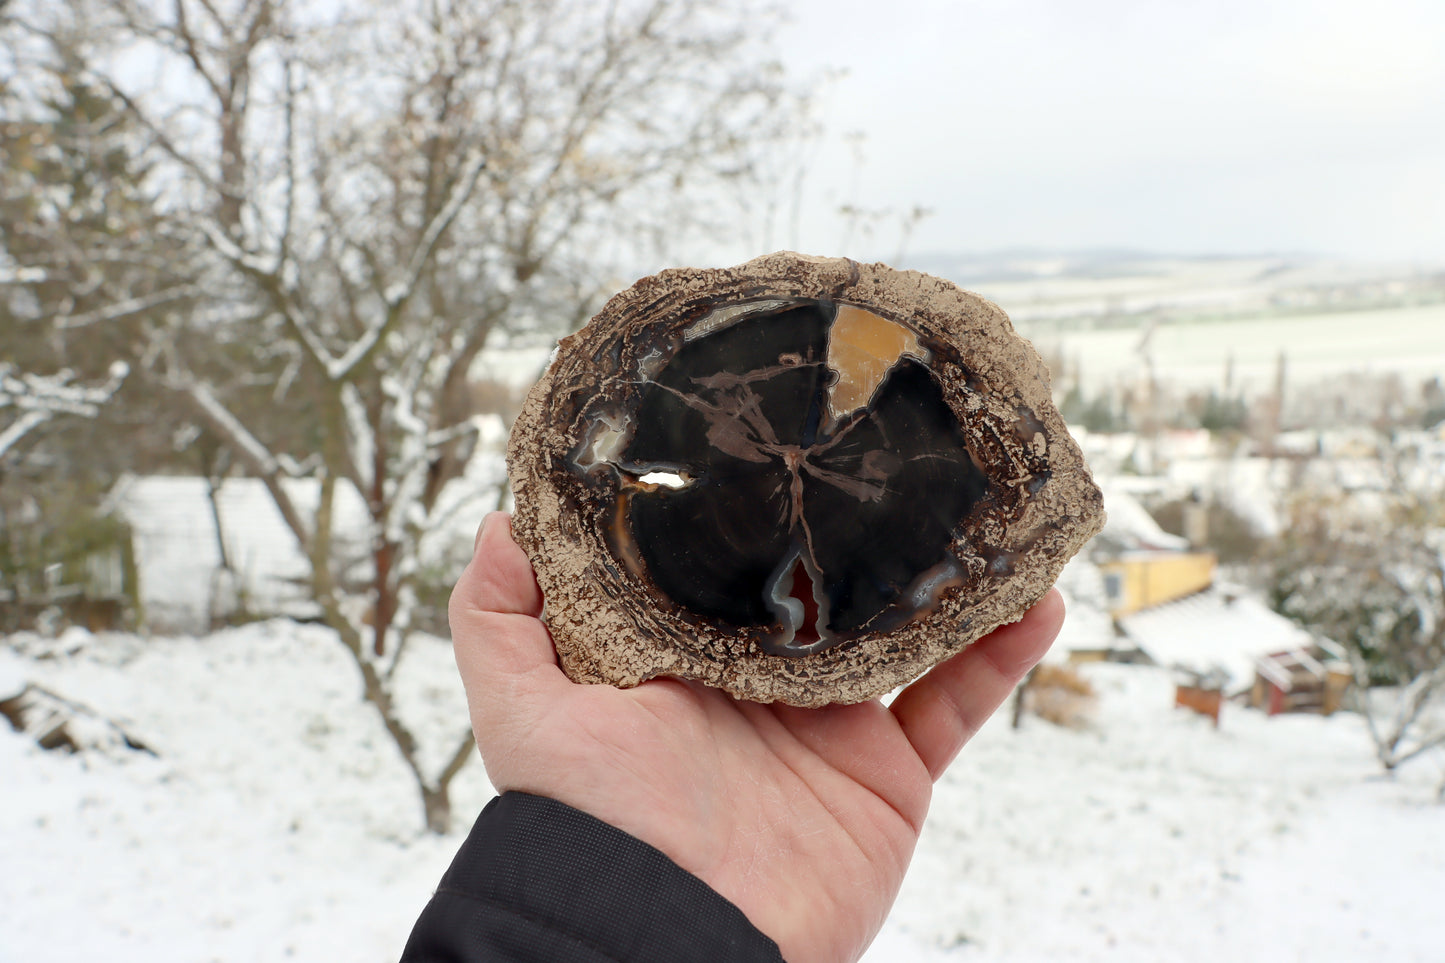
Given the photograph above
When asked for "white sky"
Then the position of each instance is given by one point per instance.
(1173, 126)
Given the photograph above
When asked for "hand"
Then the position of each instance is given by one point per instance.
(804, 818)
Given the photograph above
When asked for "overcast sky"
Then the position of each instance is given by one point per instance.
(1178, 126)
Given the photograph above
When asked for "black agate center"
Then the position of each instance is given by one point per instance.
(792, 467)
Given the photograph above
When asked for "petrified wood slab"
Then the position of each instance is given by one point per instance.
(799, 479)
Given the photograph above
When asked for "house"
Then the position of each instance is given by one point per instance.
(1307, 679)
(1167, 608)
(1218, 637)
(177, 534)
(1143, 565)
(1139, 580)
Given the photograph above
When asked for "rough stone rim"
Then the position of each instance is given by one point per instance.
(606, 626)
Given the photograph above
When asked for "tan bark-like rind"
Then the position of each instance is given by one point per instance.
(611, 626)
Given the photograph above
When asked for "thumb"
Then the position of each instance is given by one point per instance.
(499, 577)
(941, 711)
(497, 633)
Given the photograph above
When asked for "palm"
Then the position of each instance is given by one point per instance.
(804, 818)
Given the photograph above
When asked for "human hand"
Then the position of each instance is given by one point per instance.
(805, 819)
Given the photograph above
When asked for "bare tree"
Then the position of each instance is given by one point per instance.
(1366, 568)
(363, 195)
(36, 398)
(76, 291)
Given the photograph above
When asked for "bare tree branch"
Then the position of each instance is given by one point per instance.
(126, 307)
(41, 397)
(347, 207)
(398, 294)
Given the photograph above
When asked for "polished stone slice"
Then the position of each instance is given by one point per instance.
(869, 552)
(799, 479)
(866, 505)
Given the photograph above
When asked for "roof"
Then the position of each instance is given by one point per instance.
(1214, 630)
(1129, 525)
(174, 537)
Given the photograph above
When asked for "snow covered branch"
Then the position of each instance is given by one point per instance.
(39, 398)
(400, 292)
(127, 307)
(268, 274)
(270, 468)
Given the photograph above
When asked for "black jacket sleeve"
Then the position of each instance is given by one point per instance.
(537, 880)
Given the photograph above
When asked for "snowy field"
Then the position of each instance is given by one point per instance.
(1194, 355)
(275, 822)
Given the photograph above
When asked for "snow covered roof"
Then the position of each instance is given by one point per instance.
(177, 558)
(1250, 486)
(1214, 630)
(1130, 526)
(1088, 626)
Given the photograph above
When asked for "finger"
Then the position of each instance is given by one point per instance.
(941, 711)
(499, 577)
(494, 613)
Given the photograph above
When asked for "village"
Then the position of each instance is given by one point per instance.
(1202, 473)
(277, 277)
(1177, 662)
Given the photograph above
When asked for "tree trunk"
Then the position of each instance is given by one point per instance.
(437, 803)
(1018, 706)
(383, 595)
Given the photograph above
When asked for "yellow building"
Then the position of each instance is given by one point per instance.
(1142, 579)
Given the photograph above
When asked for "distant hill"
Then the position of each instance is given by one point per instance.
(1060, 290)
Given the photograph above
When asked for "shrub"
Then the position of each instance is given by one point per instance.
(1059, 694)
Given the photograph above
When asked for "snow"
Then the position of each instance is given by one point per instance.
(1217, 629)
(178, 559)
(1150, 836)
(1317, 347)
(1129, 524)
(277, 821)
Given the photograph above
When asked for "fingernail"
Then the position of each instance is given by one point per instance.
(481, 532)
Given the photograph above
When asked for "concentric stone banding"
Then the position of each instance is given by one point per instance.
(799, 479)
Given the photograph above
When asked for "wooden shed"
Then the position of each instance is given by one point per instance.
(1307, 679)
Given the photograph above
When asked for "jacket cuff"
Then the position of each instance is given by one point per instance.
(539, 880)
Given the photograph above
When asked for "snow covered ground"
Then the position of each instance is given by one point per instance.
(1195, 354)
(1151, 836)
(276, 822)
